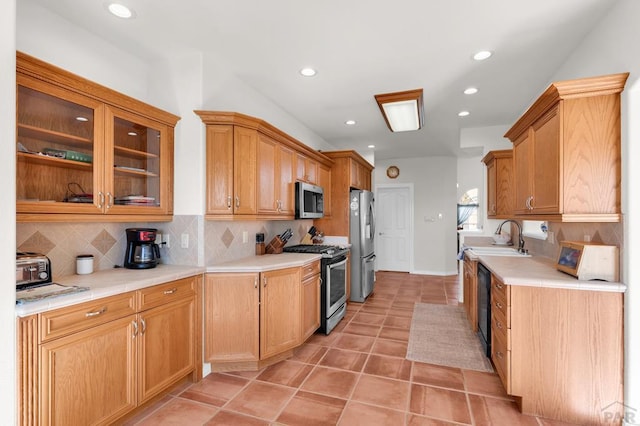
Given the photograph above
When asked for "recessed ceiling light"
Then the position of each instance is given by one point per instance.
(470, 91)
(463, 113)
(482, 55)
(308, 72)
(120, 10)
(371, 146)
(350, 122)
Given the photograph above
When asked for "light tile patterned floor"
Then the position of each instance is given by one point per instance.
(358, 375)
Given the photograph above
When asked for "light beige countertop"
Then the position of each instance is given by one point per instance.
(267, 262)
(538, 271)
(108, 283)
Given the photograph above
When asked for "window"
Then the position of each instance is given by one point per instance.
(468, 210)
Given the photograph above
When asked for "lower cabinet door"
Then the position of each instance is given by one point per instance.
(88, 378)
(310, 306)
(166, 351)
(280, 327)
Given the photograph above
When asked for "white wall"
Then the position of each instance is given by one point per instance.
(612, 47)
(7, 212)
(435, 239)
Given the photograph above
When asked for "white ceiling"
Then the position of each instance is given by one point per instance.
(364, 47)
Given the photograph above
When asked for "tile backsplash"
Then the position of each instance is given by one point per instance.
(210, 242)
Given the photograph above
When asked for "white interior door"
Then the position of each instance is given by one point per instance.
(394, 227)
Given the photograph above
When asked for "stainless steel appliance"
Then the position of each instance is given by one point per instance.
(333, 275)
(361, 235)
(309, 201)
(484, 308)
(142, 250)
(32, 270)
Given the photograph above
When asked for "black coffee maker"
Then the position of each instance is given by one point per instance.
(142, 250)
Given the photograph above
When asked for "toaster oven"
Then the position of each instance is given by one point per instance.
(32, 270)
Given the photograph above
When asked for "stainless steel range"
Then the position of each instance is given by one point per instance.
(333, 296)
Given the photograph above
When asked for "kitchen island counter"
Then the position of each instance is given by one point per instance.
(108, 283)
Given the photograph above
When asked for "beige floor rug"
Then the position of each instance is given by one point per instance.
(440, 334)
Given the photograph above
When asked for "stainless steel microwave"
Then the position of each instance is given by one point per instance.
(309, 201)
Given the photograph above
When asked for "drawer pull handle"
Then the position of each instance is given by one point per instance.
(171, 291)
(499, 286)
(96, 313)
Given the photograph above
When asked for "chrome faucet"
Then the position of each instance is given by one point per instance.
(520, 239)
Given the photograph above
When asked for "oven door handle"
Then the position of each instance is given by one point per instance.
(336, 264)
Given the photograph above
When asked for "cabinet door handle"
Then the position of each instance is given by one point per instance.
(135, 329)
(96, 313)
(499, 325)
(144, 326)
(531, 203)
(264, 282)
(499, 286)
(499, 305)
(228, 201)
(237, 201)
(110, 202)
(499, 354)
(255, 283)
(171, 291)
(101, 202)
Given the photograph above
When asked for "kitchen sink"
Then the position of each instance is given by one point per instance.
(497, 251)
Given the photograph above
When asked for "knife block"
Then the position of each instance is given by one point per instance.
(275, 246)
(306, 239)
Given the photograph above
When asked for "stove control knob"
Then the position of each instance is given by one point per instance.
(330, 251)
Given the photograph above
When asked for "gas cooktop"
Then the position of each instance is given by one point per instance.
(323, 249)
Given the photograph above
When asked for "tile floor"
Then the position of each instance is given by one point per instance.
(357, 375)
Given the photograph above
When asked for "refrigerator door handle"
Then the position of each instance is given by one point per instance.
(373, 220)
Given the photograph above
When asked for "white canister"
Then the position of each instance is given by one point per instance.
(84, 264)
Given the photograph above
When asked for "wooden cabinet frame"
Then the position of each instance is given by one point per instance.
(236, 174)
(99, 175)
(567, 152)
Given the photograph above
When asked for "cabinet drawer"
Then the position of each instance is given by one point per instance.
(499, 289)
(160, 294)
(63, 321)
(310, 269)
(499, 328)
(501, 358)
(499, 306)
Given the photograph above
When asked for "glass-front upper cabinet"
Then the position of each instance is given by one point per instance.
(85, 151)
(57, 150)
(137, 165)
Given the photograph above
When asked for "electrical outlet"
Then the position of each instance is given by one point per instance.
(587, 238)
(184, 240)
(159, 239)
(245, 237)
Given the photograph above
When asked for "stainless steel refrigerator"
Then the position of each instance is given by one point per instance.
(361, 235)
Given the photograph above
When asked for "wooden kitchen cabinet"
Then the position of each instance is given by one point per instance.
(349, 170)
(470, 290)
(500, 195)
(252, 168)
(324, 181)
(280, 326)
(566, 154)
(87, 153)
(560, 351)
(310, 300)
(232, 318)
(306, 169)
(99, 360)
(275, 174)
(253, 320)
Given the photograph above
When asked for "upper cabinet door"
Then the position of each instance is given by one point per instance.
(59, 149)
(138, 173)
